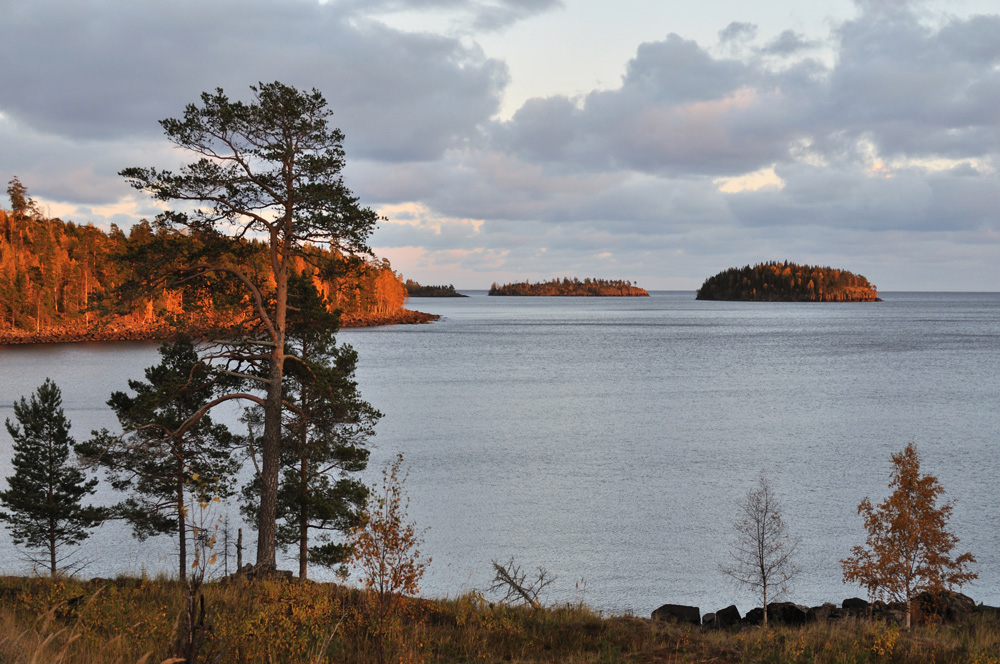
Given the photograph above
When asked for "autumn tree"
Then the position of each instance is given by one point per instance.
(762, 552)
(909, 548)
(386, 548)
(160, 468)
(270, 168)
(42, 503)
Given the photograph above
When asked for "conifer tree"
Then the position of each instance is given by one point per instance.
(270, 167)
(909, 547)
(324, 437)
(159, 460)
(42, 501)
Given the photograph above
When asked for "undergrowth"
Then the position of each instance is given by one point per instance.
(130, 620)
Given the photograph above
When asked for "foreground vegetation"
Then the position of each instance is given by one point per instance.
(129, 620)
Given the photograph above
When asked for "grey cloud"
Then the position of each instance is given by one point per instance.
(677, 70)
(737, 32)
(105, 69)
(787, 43)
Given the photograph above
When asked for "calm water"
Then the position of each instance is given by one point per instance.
(609, 440)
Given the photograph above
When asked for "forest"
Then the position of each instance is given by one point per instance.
(58, 281)
(571, 287)
(788, 282)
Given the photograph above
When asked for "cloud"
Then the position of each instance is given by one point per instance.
(788, 43)
(108, 70)
(877, 142)
(468, 15)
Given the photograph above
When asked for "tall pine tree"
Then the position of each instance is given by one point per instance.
(323, 439)
(162, 459)
(42, 501)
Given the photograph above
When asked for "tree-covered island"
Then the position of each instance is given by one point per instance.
(570, 287)
(413, 289)
(788, 282)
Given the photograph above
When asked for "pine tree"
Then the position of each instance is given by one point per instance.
(159, 460)
(271, 168)
(42, 501)
(323, 438)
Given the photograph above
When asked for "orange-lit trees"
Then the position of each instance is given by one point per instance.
(909, 549)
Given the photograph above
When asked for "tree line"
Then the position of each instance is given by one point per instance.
(58, 274)
(787, 282)
(570, 287)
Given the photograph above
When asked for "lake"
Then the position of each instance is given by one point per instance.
(609, 440)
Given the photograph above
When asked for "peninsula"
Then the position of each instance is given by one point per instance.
(788, 282)
(572, 287)
(60, 281)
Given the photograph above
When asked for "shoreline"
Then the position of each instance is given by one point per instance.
(159, 332)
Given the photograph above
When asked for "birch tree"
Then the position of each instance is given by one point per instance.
(909, 548)
(762, 554)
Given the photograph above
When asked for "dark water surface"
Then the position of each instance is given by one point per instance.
(609, 440)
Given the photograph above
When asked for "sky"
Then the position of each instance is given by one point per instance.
(657, 141)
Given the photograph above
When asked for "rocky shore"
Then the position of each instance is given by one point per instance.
(947, 606)
(126, 331)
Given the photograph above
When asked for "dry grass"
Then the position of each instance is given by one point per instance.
(124, 621)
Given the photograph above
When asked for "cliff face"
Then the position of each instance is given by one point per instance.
(788, 282)
(572, 287)
(58, 282)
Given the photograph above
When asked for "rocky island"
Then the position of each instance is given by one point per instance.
(572, 287)
(788, 282)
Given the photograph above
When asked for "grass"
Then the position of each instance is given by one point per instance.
(130, 620)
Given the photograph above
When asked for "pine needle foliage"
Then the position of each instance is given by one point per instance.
(43, 508)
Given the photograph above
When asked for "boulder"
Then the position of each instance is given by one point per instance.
(944, 605)
(825, 613)
(727, 617)
(754, 616)
(678, 613)
(787, 613)
(708, 620)
(855, 606)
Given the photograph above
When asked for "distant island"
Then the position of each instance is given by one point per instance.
(572, 287)
(413, 289)
(788, 282)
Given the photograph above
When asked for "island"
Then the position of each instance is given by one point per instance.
(572, 287)
(788, 282)
(413, 289)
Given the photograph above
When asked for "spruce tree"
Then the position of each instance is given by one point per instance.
(165, 457)
(42, 501)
